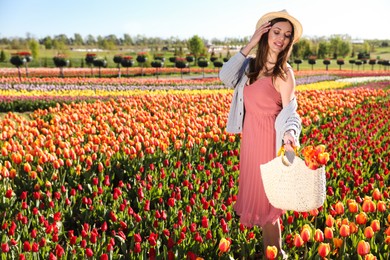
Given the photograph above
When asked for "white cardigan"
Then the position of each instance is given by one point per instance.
(233, 75)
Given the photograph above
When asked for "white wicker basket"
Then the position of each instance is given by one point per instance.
(293, 186)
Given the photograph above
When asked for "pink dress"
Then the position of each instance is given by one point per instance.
(262, 104)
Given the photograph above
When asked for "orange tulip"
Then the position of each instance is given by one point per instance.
(271, 252)
(298, 241)
(27, 167)
(353, 207)
(361, 218)
(387, 231)
(376, 194)
(314, 212)
(344, 230)
(16, 158)
(370, 257)
(323, 249)
(381, 206)
(319, 149)
(363, 247)
(339, 207)
(319, 235)
(4, 151)
(306, 233)
(307, 150)
(328, 233)
(387, 240)
(376, 225)
(323, 158)
(224, 246)
(337, 242)
(353, 228)
(33, 175)
(329, 221)
(368, 232)
(12, 173)
(368, 205)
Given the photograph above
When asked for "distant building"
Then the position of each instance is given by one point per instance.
(357, 41)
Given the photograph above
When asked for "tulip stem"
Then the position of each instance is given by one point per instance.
(305, 253)
(343, 248)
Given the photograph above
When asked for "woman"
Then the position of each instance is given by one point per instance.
(264, 95)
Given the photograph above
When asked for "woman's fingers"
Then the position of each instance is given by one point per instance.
(264, 27)
(260, 31)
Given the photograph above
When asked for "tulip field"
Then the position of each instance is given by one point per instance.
(143, 168)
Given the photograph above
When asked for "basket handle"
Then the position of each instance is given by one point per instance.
(287, 159)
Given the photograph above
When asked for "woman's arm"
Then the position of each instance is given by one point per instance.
(232, 70)
(287, 87)
(287, 92)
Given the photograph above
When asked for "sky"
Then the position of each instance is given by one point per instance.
(209, 19)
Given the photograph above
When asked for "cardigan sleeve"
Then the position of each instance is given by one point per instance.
(232, 71)
(288, 119)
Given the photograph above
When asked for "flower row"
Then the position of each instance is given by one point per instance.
(154, 175)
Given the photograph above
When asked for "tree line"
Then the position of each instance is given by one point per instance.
(335, 46)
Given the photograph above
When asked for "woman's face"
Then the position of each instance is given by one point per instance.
(279, 36)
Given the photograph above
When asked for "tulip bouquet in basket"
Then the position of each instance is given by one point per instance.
(315, 156)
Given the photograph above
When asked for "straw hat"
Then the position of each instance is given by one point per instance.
(282, 14)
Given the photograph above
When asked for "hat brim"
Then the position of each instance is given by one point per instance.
(282, 14)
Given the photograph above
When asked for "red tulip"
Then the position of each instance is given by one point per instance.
(137, 247)
(4, 247)
(171, 202)
(26, 246)
(9, 193)
(34, 247)
(198, 238)
(205, 222)
(209, 235)
(59, 250)
(137, 238)
(89, 252)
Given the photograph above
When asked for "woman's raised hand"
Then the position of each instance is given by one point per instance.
(256, 37)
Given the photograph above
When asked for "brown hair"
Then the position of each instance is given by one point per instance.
(258, 63)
